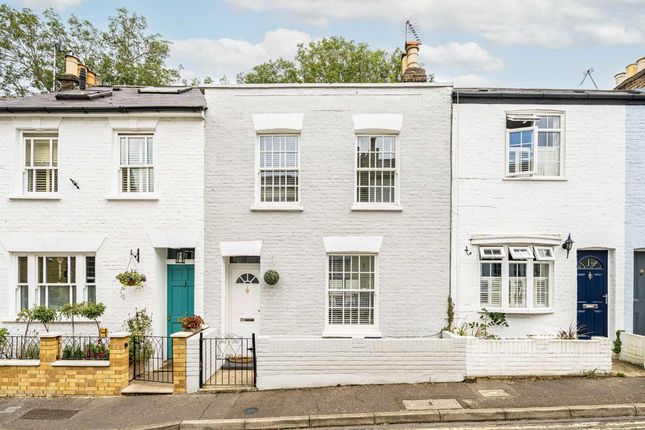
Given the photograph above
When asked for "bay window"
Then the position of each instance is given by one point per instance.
(54, 280)
(534, 144)
(515, 278)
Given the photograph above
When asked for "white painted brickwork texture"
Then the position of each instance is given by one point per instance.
(589, 204)
(414, 257)
(633, 348)
(86, 146)
(517, 357)
(192, 363)
(634, 201)
(311, 362)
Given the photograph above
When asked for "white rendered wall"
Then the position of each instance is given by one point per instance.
(86, 146)
(633, 348)
(588, 203)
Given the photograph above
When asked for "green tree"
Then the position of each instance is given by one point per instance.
(44, 315)
(71, 311)
(329, 60)
(92, 311)
(124, 54)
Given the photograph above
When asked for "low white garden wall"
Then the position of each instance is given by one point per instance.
(633, 348)
(523, 357)
(292, 362)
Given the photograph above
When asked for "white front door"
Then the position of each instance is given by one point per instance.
(245, 299)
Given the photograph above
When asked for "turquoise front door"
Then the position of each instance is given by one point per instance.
(181, 296)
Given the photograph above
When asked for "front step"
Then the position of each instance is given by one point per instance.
(139, 388)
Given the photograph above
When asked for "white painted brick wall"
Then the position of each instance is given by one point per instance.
(85, 150)
(633, 348)
(517, 357)
(292, 362)
(414, 258)
(634, 201)
(590, 205)
(192, 363)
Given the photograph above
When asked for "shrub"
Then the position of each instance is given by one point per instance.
(192, 323)
(271, 277)
(44, 315)
(92, 311)
(618, 344)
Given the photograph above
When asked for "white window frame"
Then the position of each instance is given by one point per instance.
(506, 260)
(532, 170)
(34, 285)
(150, 166)
(497, 252)
(548, 253)
(286, 206)
(31, 135)
(356, 330)
(395, 205)
(520, 252)
(534, 116)
(490, 305)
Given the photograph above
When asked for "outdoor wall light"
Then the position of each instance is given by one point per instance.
(180, 256)
(568, 244)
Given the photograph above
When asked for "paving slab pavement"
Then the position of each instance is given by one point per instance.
(140, 411)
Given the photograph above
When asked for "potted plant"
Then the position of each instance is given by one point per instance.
(271, 277)
(192, 324)
(131, 278)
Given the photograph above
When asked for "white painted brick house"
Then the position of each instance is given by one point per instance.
(530, 168)
(344, 190)
(85, 179)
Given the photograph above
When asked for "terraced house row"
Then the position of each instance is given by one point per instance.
(374, 203)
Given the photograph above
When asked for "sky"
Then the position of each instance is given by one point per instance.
(499, 43)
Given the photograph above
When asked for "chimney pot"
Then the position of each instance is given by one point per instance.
(82, 78)
(412, 71)
(631, 69)
(91, 78)
(620, 78)
(640, 63)
(71, 65)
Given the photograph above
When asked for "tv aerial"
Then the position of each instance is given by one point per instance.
(411, 29)
(588, 74)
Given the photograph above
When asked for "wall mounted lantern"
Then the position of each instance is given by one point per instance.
(568, 244)
(180, 256)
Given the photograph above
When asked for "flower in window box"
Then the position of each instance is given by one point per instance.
(271, 277)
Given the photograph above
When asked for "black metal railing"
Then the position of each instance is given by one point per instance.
(84, 348)
(151, 358)
(227, 361)
(19, 348)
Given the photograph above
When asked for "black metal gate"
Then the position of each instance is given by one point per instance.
(151, 359)
(227, 361)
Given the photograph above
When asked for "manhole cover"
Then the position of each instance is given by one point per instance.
(431, 404)
(49, 414)
(250, 411)
(493, 393)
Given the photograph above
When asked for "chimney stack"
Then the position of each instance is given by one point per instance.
(410, 68)
(77, 75)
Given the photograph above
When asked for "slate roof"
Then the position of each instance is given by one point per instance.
(543, 95)
(122, 99)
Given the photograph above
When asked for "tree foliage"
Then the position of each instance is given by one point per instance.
(124, 54)
(329, 60)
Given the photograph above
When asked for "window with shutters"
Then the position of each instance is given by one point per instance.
(351, 289)
(279, 170)
(136, 169)
(515, 278)
(22, 290)
(40, 173)
(376, 170)
(534, 144)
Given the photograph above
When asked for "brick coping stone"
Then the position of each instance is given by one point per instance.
(407, 417)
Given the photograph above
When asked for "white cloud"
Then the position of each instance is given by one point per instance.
(55, 4)
(467, 56)
(216, 57)
(550, 23)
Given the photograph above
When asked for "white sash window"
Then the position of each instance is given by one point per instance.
(136, 163)
(41, 163)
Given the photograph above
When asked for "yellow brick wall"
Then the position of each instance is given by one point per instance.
(48, 380)
(179, 364)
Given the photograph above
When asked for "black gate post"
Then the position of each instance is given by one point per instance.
(255, 365)
(201, 359)
(133, 339)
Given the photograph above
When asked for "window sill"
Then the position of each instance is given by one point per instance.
(360, 333)
(376, 207)
(519, 311)
(133, 197)
(43, 196)
(536, 178)
(295, 207)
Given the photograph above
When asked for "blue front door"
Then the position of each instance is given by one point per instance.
(181, 296)
(592, 293)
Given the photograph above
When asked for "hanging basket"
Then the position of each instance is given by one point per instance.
(271, 277)
(131, 278)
